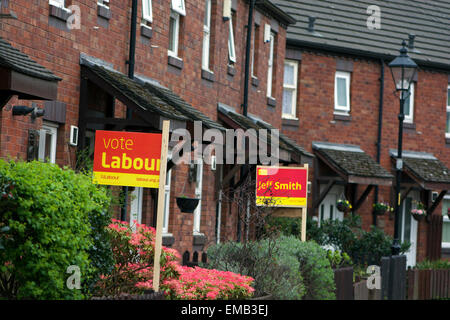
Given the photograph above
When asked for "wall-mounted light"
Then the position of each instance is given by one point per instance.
(37, 112)
(21, 110)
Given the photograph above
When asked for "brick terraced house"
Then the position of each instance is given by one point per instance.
(70, 67)
(339, 103)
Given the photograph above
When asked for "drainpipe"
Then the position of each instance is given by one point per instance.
(247, 56)
(131, 63)
(380, 127)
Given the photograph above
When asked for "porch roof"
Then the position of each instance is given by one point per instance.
(22, 76)
(425, 169)
(352, 164)
(290, 151)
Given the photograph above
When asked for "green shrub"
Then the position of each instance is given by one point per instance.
(285, 267)
(435, 265)
(260, 261)
(46, 216)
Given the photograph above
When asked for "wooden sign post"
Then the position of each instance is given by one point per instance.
(161, 202)
(286, 189)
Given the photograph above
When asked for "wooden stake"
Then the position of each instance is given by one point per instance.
(160, 210)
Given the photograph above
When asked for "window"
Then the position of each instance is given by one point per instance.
(165, 228)
(446, 224)
(206, 35)
(290, 89)
(47, 143)
(255, 51)
(231, 47)
(147, 13)
(57, 3)
(104, 3)
(270, 65)
(447, 126)
(178, 7)
(198, 194)
(174, 29)
(342, 92)
(409, 105)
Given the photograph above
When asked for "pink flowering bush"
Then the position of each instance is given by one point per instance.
(206, 284)
(133, 253)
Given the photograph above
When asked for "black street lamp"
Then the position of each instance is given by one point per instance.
(403, 70)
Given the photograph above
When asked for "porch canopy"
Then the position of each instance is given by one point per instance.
(425, 170)
(289, 151)
(347, 164)
(150, 102)
(22, 76)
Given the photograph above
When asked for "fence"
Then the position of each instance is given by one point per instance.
(428, 284)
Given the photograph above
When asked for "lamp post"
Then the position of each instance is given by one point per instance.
(403, 70)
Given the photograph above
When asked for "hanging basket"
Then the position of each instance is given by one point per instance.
(379, 212)
(187, 205)
(418, 217)
(343, 208)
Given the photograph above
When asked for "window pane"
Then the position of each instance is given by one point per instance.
(48, 147)
(447, 127)
(172, 28)
(342, 92)
(448, 97)
(407, 106)
(287, 101)
(289, 73)
(207, 12)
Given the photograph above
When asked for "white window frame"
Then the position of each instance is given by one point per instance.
(293, 88)
(447, 133)
(206, 36)
(58, 3)
(179, 7)
(52, 129)
(167, 186)
(338, 108)
(103, 3)
(255, 29)
(231, 44)
(198, 194)
(410, 118)
(270, 65)
(176, 34)
(147, 11)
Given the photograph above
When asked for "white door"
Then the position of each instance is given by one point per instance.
(327, 208)
(198, 194)
(408, 229)
(136, 207)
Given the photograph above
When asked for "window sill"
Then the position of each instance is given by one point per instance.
(208, 75)
(60, 13)
(342, 116)
(409, 125)
(168, 240)
(271, 102)
(175, 62)
(255, 81)
(146, 31)
(288, 123)
(231, 70)
(199, 239)
(103, 11)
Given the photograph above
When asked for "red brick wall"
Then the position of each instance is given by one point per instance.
(59, 50)
(315, 104)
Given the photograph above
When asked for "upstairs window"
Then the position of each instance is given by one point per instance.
(447, 126)
(408, 107)
(231, 47)
(290, 89)
(147, 13)
(270, 65)
(174, 29)
(342, 92)
(206, 35)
